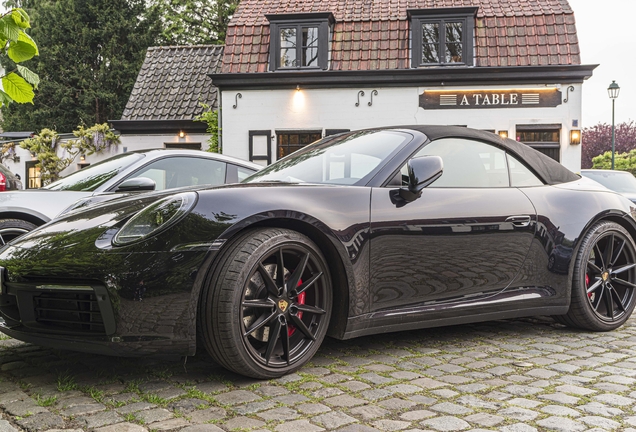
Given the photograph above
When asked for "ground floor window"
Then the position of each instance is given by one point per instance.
(185, 146)
(33, 175)
(288, 142)
(545, 138)
(260, 147)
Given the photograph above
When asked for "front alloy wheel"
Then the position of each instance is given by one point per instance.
(270, 303)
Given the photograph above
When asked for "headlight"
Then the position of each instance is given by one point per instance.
(155, 218)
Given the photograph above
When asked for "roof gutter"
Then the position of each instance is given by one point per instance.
(441, 76)
(168, 126)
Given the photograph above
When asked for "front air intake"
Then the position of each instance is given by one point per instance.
(77, 312)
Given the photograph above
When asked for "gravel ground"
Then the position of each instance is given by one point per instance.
(509, 376)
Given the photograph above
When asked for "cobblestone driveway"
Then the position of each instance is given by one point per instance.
(517, 375)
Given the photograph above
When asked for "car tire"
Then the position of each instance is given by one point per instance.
(603, 280)
(266, 307)
(13, 228)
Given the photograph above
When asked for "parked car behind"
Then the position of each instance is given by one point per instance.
(159, 169)
(622, 182)
(8, 180)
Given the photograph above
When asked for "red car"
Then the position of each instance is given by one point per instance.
(8, 180)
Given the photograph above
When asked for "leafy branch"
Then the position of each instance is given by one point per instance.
(46, 146)
(212, 119)
(18, 84)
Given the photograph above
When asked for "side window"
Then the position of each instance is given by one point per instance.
(520, 175)
(175, 172)
(468, 164)
(299, 41)
(236, 174)
(244, 173)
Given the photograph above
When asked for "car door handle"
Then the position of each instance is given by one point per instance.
(519, 221)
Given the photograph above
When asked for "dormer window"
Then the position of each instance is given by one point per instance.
(442, 37)
(299, 41)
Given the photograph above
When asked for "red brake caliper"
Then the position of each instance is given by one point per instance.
(587, 285)
(301, 300)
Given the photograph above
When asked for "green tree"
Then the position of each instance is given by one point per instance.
(90, 55)
(190, 22)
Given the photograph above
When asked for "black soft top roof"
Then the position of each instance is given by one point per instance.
(546, 168)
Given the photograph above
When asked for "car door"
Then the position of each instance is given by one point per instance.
(466, 235)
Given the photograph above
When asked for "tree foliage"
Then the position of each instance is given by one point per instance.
(190, 22)
(18, 81)
(90, 55)
(211, 118)
(622, 161)
(7, 152)
(597, 140)
(47, 147)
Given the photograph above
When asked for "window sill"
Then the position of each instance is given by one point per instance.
(300, 69)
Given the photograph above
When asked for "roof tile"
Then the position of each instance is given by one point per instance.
(173, 81)
(506, 32)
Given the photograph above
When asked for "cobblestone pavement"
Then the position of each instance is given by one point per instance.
(510, 376)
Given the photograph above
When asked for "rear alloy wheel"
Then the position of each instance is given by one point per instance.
(267, 307)
(604, 281)
(13, 228)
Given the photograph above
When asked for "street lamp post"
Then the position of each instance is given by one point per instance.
(613, 91)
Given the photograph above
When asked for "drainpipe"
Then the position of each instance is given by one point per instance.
(220, 120)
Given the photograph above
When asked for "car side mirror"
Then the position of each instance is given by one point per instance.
(136, 184)
(423, 171)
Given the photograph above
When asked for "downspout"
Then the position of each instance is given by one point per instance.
(220, 122)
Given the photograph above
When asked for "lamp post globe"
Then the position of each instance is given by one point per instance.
(613, 90)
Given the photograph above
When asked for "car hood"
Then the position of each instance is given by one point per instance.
(42, 203)
(87, 224)
(84, 238)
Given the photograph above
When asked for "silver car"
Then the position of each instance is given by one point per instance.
(622, 182)
(22, 211)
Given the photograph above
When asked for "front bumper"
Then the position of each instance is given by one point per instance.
(104, 314)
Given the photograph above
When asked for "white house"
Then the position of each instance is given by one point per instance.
(293, 72)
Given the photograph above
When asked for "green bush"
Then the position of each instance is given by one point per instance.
(622, 161)
(211, 118)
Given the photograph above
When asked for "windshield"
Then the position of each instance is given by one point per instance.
(618, 181)
(343, 160)
(91, 177)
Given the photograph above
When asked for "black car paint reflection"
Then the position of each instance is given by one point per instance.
(451, 256)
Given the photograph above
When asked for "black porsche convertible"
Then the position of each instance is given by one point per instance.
(364, 232)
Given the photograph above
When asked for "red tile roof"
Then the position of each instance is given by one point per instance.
(374, 34)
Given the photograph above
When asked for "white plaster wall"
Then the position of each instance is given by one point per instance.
(335, 109)
(19, 167)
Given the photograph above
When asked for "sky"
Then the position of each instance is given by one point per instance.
(607, 37)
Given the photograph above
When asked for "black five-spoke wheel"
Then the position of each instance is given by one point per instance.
(267, 307)
(604, 281)
(609, 278)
